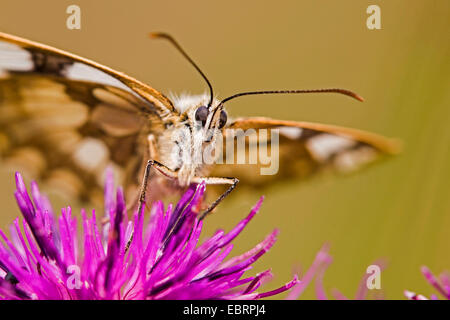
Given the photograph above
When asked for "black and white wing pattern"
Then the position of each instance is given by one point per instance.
(64, 118)
(305, 150)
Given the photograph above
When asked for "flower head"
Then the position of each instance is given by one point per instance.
(441, 284)
(316, 272)
(46, 258)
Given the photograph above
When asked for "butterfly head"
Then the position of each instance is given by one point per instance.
(210, 118)
(206, 121)
(190, 142)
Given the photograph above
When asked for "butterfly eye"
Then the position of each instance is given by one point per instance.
(222, 119)
(201, 114)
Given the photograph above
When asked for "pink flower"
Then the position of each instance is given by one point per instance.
(317, 271)
(441, 284)
(125, 259)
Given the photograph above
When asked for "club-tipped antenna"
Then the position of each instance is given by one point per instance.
(331, 90)
(168, 37)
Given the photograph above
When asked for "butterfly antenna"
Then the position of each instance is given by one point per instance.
(332, 90)
(168, 37)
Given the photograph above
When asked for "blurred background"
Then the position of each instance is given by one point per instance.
(398, 209)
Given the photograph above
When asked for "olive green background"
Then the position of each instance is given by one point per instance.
(398, 209)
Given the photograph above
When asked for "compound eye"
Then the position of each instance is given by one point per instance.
(201, 114)
(222, 119)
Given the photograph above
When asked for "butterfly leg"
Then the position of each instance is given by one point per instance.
(216, 180)
(172, 174)
(169, 173)
(151, 153)
(143, 192)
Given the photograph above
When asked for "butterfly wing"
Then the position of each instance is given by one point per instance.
(21, 55)
(304, 150)
(64, 118)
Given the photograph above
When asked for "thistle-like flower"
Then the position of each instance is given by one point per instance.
(316, 272)
(441, 284)
(46, 258)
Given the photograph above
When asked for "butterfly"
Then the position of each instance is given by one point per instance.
(66, 118)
